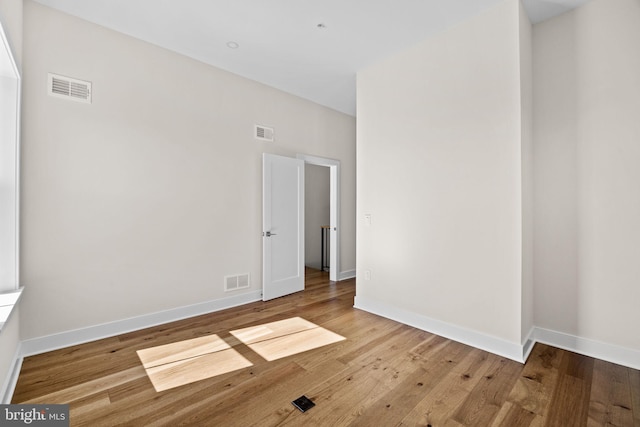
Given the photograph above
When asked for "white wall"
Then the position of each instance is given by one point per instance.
(144, 200)
(316, 210)
(587, 174)
(439, 170)
(11, 18)
(526, 101)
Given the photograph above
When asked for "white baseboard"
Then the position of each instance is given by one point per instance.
(6, 393)
(528, 343)
(79, 336)
(587, 347)
(349, 274)
(475, 339)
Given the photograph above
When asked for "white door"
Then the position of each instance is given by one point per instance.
(282, 226)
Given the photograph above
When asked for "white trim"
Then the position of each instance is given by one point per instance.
(92, 333)
(8, 302)
(588, 347)
(9, 70)
(527, 344)
(475, 339)
(334, 197)
(9, 386)
(349, 274)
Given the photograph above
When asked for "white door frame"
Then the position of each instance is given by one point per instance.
(334, 214)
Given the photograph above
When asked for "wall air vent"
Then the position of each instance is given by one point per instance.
(68, 88)
(232, 283)
(264, 133)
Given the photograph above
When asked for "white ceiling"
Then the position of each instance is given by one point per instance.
(280, 43)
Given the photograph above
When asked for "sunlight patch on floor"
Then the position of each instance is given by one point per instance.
(187, 361)
(284, 338)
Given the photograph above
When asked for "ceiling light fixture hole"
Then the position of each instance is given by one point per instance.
(232, 45)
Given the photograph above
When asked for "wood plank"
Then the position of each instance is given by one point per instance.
(223, 408)
(211, 398)
(181, 350)
(271, 330)
(295, 343)
(383, 373)
(342, 398)
(489, 395)
(182, 372)
(412, 379)
(439, 403)
(515, 415)
(634, 383)
(570, 401)
(611, 400)
(89, 404)
(534, 388)
(90, 362)
(88, 388)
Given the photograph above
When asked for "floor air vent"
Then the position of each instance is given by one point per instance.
(264, 133)
(68, 88)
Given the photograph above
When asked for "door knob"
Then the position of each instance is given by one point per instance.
(269, 234)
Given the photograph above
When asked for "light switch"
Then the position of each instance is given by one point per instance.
(367, 219)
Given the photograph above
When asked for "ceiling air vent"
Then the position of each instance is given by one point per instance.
(68, 88)
(264, 133)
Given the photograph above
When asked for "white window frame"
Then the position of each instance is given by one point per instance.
(9, 179)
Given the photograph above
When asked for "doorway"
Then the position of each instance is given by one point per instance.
(283, 222)
(333, 229)
(317, 218)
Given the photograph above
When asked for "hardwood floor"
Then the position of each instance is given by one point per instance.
(383, 374)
